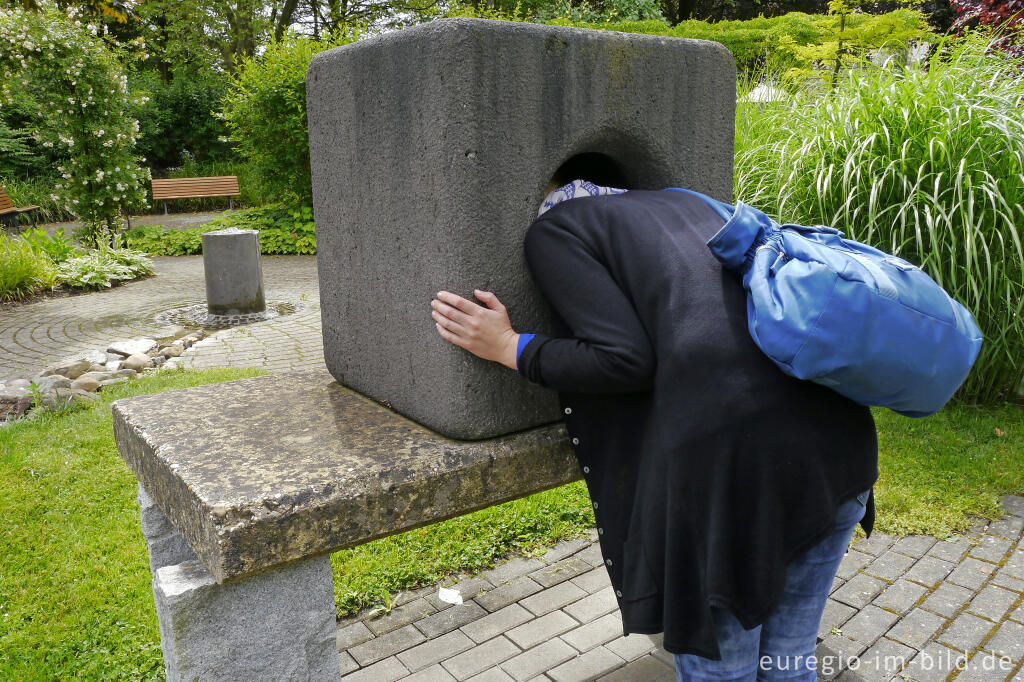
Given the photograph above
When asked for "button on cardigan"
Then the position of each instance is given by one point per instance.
(709, 469)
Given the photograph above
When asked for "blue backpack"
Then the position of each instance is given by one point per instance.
(869, 325)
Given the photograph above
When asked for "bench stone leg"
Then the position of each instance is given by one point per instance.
(276, 625)
(166, 546)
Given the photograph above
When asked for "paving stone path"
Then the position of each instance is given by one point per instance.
(39, 334)
(900, 609)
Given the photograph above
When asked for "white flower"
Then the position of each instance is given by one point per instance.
(99, 133)
(55, 197)
(100, 174)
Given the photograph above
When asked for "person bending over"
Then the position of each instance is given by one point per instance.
(725, 493)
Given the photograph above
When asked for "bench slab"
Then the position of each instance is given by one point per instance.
(260, 472)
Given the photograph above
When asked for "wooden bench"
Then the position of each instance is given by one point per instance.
(195, 188)
(8, 211)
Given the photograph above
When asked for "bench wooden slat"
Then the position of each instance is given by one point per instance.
(7, 207)
(19, 210)
(190, 188)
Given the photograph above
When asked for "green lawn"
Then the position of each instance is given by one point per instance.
(75, 599)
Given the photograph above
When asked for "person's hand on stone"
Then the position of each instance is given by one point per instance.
(484, 331)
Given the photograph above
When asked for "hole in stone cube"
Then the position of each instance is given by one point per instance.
(598, 168)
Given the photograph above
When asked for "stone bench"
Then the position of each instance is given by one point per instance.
(245, 488)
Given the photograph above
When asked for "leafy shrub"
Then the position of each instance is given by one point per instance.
(102, 267)
(157, 240)
(23, 272)
(57, 248)
(924, 163)
(284, 230)
(265, 109)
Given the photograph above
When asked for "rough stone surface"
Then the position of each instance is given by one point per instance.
(86, 384)
(52, 382)
(138, 362)
(405, 161)
(278, 625)
(131, 347)
(234, 272)
(258, 472)
(173, 351)
(71, 370)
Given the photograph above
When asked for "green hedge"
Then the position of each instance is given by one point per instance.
(763, 43)
(284, 230)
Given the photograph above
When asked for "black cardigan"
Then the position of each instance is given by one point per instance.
(708, 468)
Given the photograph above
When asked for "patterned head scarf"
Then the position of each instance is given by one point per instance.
(576, 188)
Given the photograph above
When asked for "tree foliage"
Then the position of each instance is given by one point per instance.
(844, 43)
(265, 110)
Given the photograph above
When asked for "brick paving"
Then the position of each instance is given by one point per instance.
(39, 334)
(913, 608)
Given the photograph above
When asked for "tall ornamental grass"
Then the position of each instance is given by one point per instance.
(22, 271)
(924, 162)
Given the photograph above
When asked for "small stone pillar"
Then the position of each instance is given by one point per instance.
(234, 273)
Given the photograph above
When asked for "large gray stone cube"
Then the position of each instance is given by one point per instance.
(431, 148)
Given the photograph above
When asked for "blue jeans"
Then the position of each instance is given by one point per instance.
(781, 648)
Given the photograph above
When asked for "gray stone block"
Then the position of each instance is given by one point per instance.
(435, 650)
(587, 666)
(629, 647)
(900, 597)
(992, 603)
(539, 659)
(481, 657)
(884, 661)
(966, 632)
(916, 628)
(600, 631)
(234, 272)
(541, 629)
(385, 645)
(430, 150)
(646, 668)
(560, 571)
(593, 606)
(399, 616)
(500, 621)
(278, 625)
(450, 619)
(552, 598)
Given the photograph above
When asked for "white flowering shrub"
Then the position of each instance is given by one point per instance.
(82, 93)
